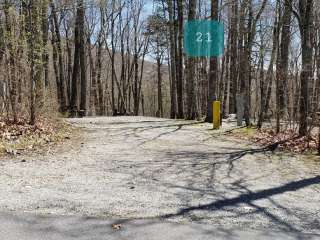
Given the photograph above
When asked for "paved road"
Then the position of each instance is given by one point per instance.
(130, 168)
(30, 227)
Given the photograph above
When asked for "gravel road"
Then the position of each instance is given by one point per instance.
(137, 167)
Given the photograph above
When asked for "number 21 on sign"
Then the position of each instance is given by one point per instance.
(207, 37)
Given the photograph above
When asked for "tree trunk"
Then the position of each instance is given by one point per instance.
(11, 62)
(305, 7)
(45, 31)
(93, 80)
(282, 63)
(190, 76)
(233, 56)
(246, 37)
(160, 105)
(266, 85)
(136, 81)
(76, 65)
(34, 38)
(55, 63)
(112, 57)
(213, 72)
(58, 46)
(173, 110)
(179, 59)
(100, 102)
(83, 64)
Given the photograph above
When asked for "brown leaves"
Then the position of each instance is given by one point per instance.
(288, 140)
(11, 151)
(20, 135)
(116, 226)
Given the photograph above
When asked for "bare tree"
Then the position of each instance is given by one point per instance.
(179, 60)
(190, 79)
(59, 71)
(304, 18)
(213, 74)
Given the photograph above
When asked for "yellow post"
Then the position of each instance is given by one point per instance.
(216, 114)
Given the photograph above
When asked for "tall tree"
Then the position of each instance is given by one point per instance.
(57, 48)
(179, 59)
(45, 31)
(213, 73)
(113, 52)
(11, 60)
(247, 35)
(266, 84)
(173, 91)
(100, 102)
(79, 64)
(32, 10)
(76, 65)
(305, 22)
(282, 63)
(233, 55)
(156, 30)
(83, 64)
(190, 75)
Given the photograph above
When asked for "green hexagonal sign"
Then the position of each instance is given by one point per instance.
(203, 38)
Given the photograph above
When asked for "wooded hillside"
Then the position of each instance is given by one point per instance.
(117, 57)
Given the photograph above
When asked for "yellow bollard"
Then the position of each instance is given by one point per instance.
(216, 114)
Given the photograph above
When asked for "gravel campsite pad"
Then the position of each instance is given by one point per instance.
(139, 167)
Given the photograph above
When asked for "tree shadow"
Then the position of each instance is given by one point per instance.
(193, 164)
(199, 172)
(249, 198)
(171, 126)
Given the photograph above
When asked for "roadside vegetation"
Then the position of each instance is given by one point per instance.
(287, 140)
(17, 137)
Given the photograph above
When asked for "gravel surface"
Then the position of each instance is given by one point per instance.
(139, 167)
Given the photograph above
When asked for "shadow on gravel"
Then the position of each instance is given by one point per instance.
(134, 131)
(251, 196)
(172, 128)
(215, 159)
(192, 164)
(139, 122)
(204, 161)
(196, 173)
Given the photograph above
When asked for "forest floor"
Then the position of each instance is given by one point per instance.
(21, 138)
(130, 168)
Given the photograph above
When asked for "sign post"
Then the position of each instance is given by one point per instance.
(216, 114)
(240, 109)
(205, 38)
